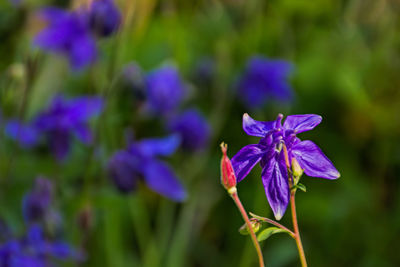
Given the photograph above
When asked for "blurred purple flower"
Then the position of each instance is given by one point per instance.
(58, 123)
(36, 203)
(104, 17)
(193, 128)
(204, 71)
(271, 156)
(140, 161)
(67, 33)
(34, 250)
(133, 79)
(165, 90)
(264, 79)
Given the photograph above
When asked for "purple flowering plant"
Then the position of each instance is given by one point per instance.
(140, 162)
(63, 119)
(283, 158)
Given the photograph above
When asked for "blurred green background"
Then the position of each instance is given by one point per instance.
(347, 65)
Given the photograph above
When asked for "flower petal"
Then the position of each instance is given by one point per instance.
(83, 52)
(160, 178)
(83, 133)
(157, 146)
(256, 128)
(275, 180)
(313, 160)
(26, 135)
(302, 123)
(245, 160)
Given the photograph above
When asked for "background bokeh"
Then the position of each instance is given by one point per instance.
(346, 69)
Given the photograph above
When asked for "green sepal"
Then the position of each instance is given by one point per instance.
(302, 187)
(270, 231)
(255, 224)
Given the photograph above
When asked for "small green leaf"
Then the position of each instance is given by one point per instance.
(302, 187)
(270, 231)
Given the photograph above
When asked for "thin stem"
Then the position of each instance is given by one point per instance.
(296, 230)
(235, 198)
(293, 209)
(272, 222)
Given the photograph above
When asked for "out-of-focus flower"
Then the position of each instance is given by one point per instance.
(270, 152)
(264, 79)
(140, 161)
(36, 203)
(193, 128)
(33, 250)
(104, 17)
(165, 90)
(63, 119)
(67, 33)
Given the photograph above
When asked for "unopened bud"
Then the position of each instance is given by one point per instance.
(228, 178)
(255, 225)
(297, 170)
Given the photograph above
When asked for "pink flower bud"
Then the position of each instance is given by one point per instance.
(228, 178)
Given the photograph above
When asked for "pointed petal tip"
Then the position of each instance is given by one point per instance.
(278, 216)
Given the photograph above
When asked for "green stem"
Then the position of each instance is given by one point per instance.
(236, 199)
(272, 222)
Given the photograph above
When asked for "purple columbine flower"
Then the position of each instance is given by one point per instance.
(264, 79)
(67, 33)
(139, 161)
(33, 250)
(63, 119)
(193, 128)
(165, 90)
(36, 203)
(271, 156)
(104, 17)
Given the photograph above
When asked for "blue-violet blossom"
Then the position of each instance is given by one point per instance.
(67, 33)
(36, 203)
(63, 119)
(271, 156)
(193, 128)
(264, 79)
(104, 17)
(165, 89)
(139, 160)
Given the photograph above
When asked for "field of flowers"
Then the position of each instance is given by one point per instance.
(129, 129)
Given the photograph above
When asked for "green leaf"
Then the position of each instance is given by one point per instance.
(302, 187)
(270, 231)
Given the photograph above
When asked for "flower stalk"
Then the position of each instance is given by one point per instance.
(228, 180)
(293, 190)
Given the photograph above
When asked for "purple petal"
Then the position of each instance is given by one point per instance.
(275, 179)
(83, 108)
(160, 178)
(313, 160)
(59, 143)
(124, 170)
(83, 52)
(245, 160)
(302, 123)
(26, 135)
(157, 146)
(256, 128)
(83, 133)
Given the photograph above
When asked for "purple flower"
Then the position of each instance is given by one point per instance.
(36, 203)
(67, 33)
(270, 154)
(165, 90)
(264, 79)
(63, 119)
(134, 81)
(104, 17)
(140, 161)
(193, 128)
(33, 250)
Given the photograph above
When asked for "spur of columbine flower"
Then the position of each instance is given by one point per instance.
(139, 161)
(270, 153)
